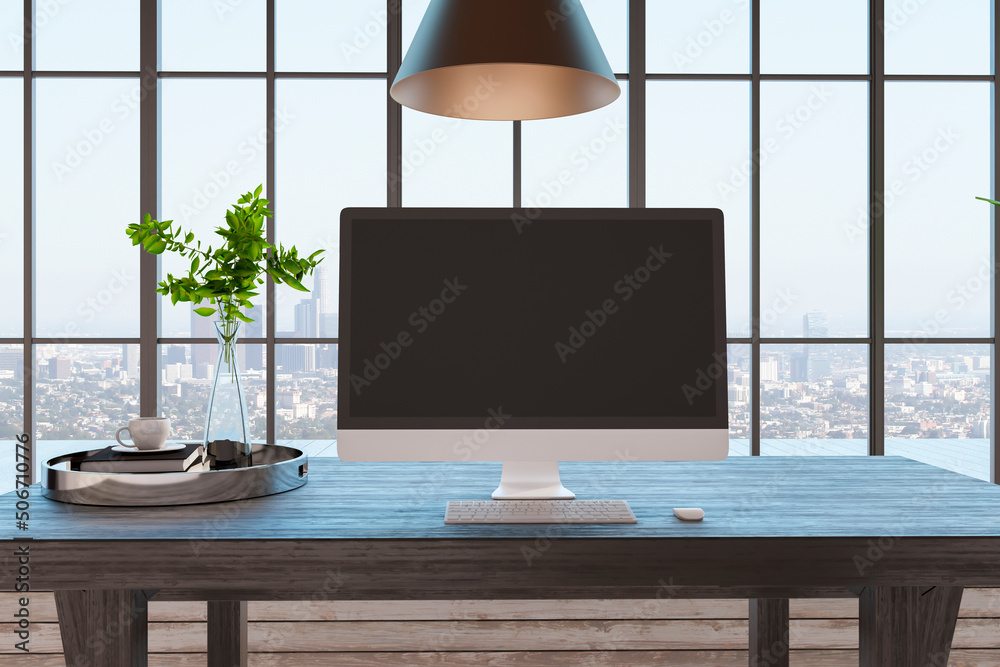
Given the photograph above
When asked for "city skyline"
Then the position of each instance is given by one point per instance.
(932, 391)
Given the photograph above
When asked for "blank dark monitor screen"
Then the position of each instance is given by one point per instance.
(595, 320)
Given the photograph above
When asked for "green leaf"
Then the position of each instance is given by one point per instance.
(295, 284)
(992, 201)
(157, 248)
(205, 311)
(256, 193)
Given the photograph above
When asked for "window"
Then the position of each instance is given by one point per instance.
(859, 302)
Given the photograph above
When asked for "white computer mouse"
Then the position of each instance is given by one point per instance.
(689, 513)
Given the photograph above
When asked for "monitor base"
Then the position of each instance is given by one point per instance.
(531, 480)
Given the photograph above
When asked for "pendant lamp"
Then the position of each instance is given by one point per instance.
(505, 60)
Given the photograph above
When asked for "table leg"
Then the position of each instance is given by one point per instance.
(71, 608)
(901, 626)
(227, 633)
(768, 632)
(103, 628)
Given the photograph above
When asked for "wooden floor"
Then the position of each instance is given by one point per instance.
(681, 633)
(624, 633)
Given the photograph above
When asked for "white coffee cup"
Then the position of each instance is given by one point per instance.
(146, 433)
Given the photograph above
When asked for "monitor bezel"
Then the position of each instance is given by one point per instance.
(520, 217)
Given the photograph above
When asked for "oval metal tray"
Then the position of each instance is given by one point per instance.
(273, 469)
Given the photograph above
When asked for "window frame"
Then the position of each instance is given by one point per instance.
(149, 76)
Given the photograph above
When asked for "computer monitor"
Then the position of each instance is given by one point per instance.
(532, 336)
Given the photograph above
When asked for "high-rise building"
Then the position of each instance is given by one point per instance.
(769, 369)
(296, 358)
(60, 368)
(306, 319)
(325, 300)
(326, 356)
(175, 372)
(799, 367)
(202, 327)
(11, 361)
(288, 398)
(315, 317)
(254, 352)
(176, 354)
(321, 290)
(814, 325)
(130, 360)
(203, 371)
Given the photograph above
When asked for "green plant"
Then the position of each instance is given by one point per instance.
(227, 277)
(992, 201)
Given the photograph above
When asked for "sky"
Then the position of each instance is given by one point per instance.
(330, 150)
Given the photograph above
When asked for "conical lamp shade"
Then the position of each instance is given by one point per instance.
(505, 60)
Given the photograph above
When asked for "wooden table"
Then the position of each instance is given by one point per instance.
(904, 536)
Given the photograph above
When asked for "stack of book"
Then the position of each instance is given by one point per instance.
(178, 460)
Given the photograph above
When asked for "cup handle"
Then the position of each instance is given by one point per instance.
(118, 437)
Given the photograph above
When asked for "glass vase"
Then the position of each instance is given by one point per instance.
(227, 422)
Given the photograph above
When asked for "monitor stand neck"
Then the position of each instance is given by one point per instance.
(528, 480)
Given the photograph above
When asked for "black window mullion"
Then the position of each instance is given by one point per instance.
(149, 302)
(755, 189)
(28, 236)
(516, 195)
(637, 104)
(995, 251)
(876, 231)
(270, 315)
(394, 116)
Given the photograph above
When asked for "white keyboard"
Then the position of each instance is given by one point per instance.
(538, 511)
